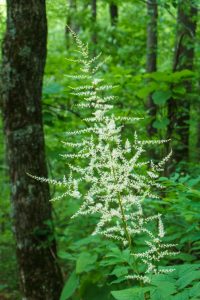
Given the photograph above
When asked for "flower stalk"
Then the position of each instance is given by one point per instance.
(118, 180)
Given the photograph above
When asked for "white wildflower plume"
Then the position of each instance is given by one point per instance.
(118, 181)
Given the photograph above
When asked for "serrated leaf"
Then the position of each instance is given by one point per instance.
(85, 262)
(186, 257)
(182, 296)
(136, 293)
(86, 241)
(186, 268)
(187, 278)
(195, 290)
(118, 280)
(120, 271)
(164, 287)
(65, 255)
(70, 287)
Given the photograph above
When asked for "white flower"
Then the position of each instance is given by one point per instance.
(127, 146)
(117, 183)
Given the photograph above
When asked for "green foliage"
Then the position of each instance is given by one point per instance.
(70, 287)
(168, 285)
(137, 293)
(126, 44)
(161, 124)
(183, 283)
(85, 262)
(160, 97)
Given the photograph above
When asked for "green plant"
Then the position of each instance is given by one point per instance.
(118, 184)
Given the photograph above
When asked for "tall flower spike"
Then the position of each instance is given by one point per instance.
(118, 182)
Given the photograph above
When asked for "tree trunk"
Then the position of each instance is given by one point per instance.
(179, 111)
(113, 14)
(94, 18)
(151, 63)
(24, 55)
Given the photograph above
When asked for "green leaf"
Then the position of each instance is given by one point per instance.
(146, 90)
(70, 287)
(159, 76)
(164, 287)
(118, 280)
(186, 268)
(181, 90)
(136, 293)
(195, 290)
(161, 97)
(120, 271)
(86, 241)
(161, 124)
(187, 278)
(182, 296)
(185, 256)
(183, 74)
(52, 88)
(85, 262)
(116, 256)
(65, 255)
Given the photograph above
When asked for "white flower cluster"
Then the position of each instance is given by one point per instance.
(118, 182)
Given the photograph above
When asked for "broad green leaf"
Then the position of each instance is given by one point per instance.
(181, 90)
(118, 280)
(182, 74)
(70, 287)
(186, 268)
(85, 262)
(146, 90)
(65, 255)
(161, 97)
(164, 287)
(161, 124)
(159, 76)
(136, 293)
(181, 296)
(158, 294)
(95, 292)
(195, 290)
(87, 240)
(185, 256)
(187, 278)
(116, 256)
(52, 88)
(120, 271)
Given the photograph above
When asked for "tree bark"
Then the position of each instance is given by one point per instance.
(151, 62)
(179, 111)
(24, 55)
(113, 14)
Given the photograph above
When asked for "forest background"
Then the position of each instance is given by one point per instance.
(154, 61)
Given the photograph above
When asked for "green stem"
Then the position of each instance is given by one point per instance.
(124, 221)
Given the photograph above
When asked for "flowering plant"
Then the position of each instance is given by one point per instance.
(118, 180)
